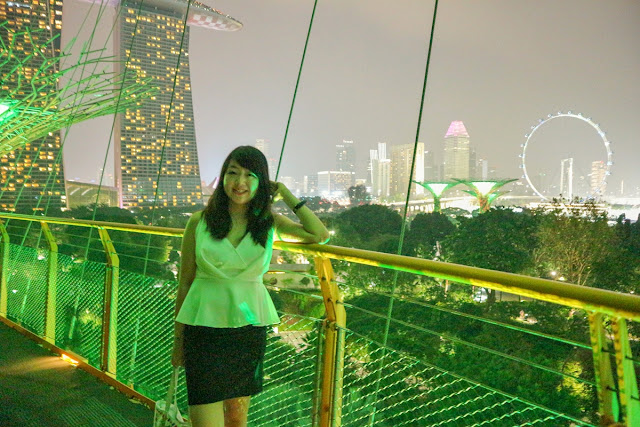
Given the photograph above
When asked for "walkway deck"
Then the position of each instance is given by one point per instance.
(38, 389)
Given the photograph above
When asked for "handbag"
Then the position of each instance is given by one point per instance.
(166, 413)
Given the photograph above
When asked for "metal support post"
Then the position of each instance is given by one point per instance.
(331, 400)
(110, 314)
(607, 397)
(52, 276)
(4, 262)
(627, 383)
(317, 381)
(336, 414)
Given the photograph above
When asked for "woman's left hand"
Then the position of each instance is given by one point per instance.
(276, 188)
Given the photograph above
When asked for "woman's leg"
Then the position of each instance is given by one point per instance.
(207, 415)
(236, 411)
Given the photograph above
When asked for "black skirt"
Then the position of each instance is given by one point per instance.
(223, 363)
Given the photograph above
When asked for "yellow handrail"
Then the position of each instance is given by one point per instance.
(136, 228)
(592, 299)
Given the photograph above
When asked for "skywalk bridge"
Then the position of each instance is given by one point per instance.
(113, 315)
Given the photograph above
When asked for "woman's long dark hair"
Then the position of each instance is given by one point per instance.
(259, 216)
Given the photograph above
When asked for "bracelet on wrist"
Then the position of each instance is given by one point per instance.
(299, 205)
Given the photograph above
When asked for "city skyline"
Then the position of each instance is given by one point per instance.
(492, 67)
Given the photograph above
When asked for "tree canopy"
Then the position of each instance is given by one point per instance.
(425, 231)
(499, 239)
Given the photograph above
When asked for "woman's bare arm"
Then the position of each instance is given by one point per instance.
(185, 279)
(309, 230)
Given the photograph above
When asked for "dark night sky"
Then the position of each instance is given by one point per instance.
(497, 65)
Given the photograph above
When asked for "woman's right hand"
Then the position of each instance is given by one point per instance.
(177, 356)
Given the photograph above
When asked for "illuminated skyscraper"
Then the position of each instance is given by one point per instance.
(156, 142)
(456, 152)
(380, 168)
(310, 185)
(334, 184)
(346, 157)
(401, 160)
(155, 150)
(32, 177)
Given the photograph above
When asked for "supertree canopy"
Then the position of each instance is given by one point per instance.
(38, 95)
(436, 188)
(486, 191)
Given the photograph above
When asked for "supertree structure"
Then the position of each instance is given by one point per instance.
(39, 96)
(486, 191)
(437, 189)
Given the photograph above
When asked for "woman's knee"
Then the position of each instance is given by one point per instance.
(236, 411)
(208, 415)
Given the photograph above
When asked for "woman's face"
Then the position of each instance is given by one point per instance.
(240, 184)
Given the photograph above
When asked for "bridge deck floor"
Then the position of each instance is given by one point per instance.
(39, 389)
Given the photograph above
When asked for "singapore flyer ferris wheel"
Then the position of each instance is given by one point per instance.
(567, 172)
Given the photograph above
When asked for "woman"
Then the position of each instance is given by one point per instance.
(222, 306)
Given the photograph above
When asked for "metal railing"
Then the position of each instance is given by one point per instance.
(325, 370)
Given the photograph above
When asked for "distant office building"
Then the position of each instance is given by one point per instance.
(456, 152)
(485, 170)
(288, 181)
(401, 162)
(155, 150)
(598, 176)
(431, 169)
(346, 157)
(33, 176)
(374, 178)
(310, 185)
(334, 184)
(380, 171)
(265, 146)
(384, 178)
(292, 184)
(474, 166)
(84, 194)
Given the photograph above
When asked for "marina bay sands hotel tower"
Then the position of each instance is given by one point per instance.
(155, 152)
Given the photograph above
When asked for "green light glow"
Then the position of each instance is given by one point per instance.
(35, 106)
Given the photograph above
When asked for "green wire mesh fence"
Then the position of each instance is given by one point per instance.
(413, 392)
(447, 362)
(544, 364)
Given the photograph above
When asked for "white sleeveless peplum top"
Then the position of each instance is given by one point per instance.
(227, 291)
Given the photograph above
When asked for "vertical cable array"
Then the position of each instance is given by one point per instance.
(404, 217)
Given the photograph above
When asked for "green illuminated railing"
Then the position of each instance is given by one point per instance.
(112, 308)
